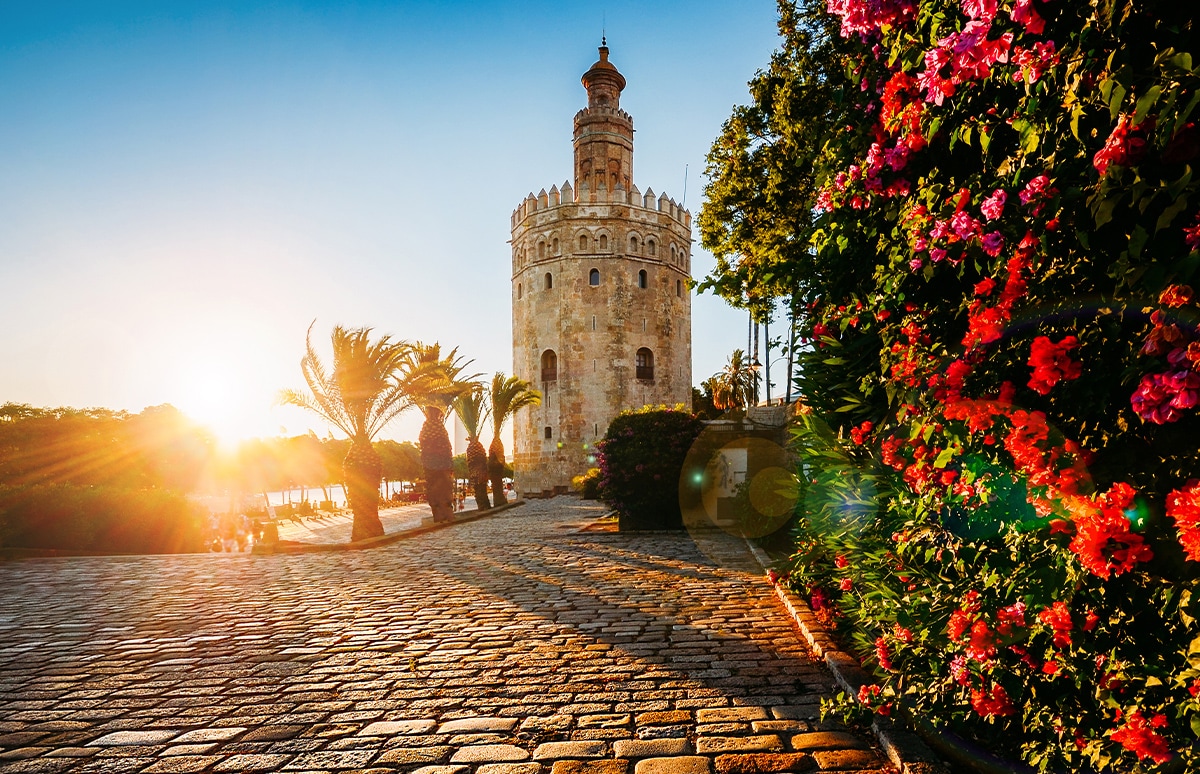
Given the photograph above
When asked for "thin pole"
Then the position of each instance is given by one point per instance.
(767, 362)
(791, 349)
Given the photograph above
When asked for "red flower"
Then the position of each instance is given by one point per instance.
(992, 704)
(841, 562)
(859, 433)
(1051, 363)
(1058, 618)
(1183, 505)
(846, 584)
(1139, 737)
(1176, 295)
(1090, 621)
(1125, 147)
(981, 644)
(985, 287)
(882, 654)
(1103, 542)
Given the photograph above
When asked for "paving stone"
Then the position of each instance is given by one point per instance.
(582, 749)
(510, 768)
(826, 740)
(764, 763)
(848, 759)
(394, 727)
(188, 749)
(182, 764)
(732, 744)
(590, 767)
(123, 738)
(679, 765)
(730, 714)
(209, 735)
(487, 753)
(252, 763)
(663, 718)
(477, 725)
(654, 748)
(410, 755)
(442, 770)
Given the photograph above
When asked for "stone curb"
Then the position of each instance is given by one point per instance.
(904, 748)
(382, 540)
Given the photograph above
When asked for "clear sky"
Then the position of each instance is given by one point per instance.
(185, 186)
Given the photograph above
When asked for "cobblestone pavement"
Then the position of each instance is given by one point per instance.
(516, 644)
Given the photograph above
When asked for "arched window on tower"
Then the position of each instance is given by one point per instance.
(603, 242)
(518, 290)
(583, 243)
(679, 288)
(549, 366)
(541, 250)
(549, 281)
(643, 280)
(645, 364)
(674, 257)
(650, 246)
(554, 246)
(594, 277)
(633, 244)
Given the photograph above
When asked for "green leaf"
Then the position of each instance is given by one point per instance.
(1114, 101)
(1145, 103)
(944, 458)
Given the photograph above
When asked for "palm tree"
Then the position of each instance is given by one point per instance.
(733, 387)
(509, 394)
(359, 397)
(472, 411)
(435, 383)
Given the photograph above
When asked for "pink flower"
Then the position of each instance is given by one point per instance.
(993, 243)
(1024, 13)
(964, 225)
(1036, 192)
(980, 9)
(993, 206)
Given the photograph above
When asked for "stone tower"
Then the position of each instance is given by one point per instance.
(602, 316)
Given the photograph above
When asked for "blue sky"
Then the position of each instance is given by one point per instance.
(184, 187)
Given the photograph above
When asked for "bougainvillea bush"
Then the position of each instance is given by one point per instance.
(1000, 467)
(640, 458)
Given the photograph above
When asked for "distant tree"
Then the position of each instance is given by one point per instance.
(359, 395)
(435, 382)
(401, 460)
(702, 401)
(509, 394)
(733, 387)
(473, 411)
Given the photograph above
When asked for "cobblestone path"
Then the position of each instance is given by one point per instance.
(516, 644)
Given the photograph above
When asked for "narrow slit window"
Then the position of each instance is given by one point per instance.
(643, 280)
(679, 288)
(549, 281)
(518, 290)
(583, 243)
(549, 433)
(603, 242)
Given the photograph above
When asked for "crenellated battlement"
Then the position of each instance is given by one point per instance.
(566, 195)
(604, 112)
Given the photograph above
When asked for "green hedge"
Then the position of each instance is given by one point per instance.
(100, 519)
(641, 457)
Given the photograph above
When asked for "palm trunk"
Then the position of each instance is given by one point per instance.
(362, 468)
(437, 456)
(496, 470)
(477, 467)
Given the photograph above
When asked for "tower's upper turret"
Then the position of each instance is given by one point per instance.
(603, 133)
(603, 83)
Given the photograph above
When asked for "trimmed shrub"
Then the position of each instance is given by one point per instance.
(588, 485)
(641, 458)
(100, 519)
